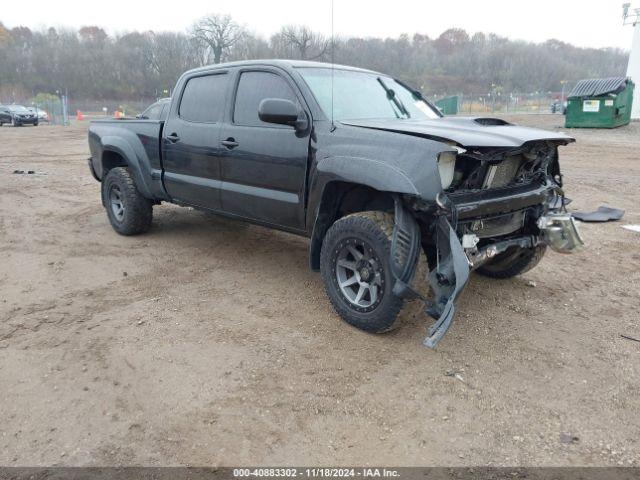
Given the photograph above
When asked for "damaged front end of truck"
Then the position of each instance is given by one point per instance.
(494, 203)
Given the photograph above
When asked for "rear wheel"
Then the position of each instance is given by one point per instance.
(515, 261)
(354, 263)
(129, 212)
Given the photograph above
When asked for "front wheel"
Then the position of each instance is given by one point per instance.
(515, 261)
(129, 212)
(354, 263)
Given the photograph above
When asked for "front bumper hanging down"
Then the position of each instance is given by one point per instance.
(447, 280)
(454, 264)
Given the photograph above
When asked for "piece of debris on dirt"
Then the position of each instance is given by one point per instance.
(632, 228)
(603, 214)
(124, 274)
(457, 374)
(630, 338)
(568, 438)
(532, 284)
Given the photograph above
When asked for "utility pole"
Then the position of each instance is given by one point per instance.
(563, 83)
(633, 70)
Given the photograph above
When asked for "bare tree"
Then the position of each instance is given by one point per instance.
(218, 33)
(307, 44)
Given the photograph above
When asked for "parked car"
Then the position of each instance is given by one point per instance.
(18, 115)
(384, 186)
(156, 111)
(43, 116)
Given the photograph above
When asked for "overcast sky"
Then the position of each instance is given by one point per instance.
(593, 23)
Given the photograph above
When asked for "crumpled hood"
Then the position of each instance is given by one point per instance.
(464, 131)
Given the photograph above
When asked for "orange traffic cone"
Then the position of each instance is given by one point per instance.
(79, 115)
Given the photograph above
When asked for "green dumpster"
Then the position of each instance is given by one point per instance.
(448, 105)
(600, 103)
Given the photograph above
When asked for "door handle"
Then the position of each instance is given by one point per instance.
(173, 138)
(230, 143)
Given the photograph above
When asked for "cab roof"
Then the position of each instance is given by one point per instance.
(284, 64)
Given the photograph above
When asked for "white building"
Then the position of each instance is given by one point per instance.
(633, 70)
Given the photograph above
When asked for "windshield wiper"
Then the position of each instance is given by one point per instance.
(391, 95)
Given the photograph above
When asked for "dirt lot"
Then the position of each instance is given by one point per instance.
(209, 342)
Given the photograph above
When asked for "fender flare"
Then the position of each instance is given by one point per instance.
(137, 162)
(367, 172)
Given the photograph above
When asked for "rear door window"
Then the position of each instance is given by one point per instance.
(254, 87)
(203, 98)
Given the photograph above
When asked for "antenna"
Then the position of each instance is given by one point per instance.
(333, 49)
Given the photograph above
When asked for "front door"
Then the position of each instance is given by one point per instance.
(264, 166)
(191, 141)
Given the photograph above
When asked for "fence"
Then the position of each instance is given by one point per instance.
(59, 110)
(106, 108)
(505, 103)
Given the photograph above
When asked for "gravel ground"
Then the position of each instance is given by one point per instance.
(209, 342)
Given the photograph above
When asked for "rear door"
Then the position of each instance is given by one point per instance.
(191, 141)
(264, 165)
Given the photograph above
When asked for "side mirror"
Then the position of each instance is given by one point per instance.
(282, 112)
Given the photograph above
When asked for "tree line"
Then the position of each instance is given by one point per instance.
(90, 64)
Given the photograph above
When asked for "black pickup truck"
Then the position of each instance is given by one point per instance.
(357, 161)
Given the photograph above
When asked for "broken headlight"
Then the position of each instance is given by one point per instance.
(446, 168)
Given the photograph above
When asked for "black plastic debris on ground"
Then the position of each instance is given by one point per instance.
(603, 214)
(22, 172)
(627, 337)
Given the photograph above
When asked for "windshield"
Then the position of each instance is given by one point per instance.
(17, 108)
(359, 95)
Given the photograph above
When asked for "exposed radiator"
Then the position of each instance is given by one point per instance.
(504, 173)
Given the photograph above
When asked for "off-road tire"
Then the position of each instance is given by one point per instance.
(513, 262)
(138, 210)
(376, 229)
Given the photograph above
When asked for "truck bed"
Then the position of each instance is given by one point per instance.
(134, 139)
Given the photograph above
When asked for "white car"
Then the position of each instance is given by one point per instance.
(43, 116)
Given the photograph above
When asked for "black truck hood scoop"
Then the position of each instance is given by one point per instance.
(464, 131)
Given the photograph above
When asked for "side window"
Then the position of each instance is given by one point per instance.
(254, 87)
(203, 98)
